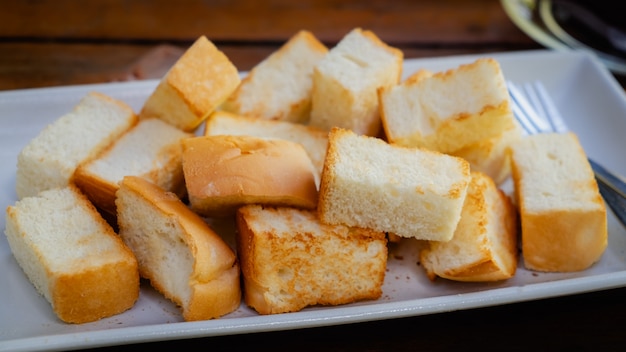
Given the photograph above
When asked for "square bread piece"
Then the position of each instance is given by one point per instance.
(484, 246)
(449, 110)
(346, 81)
(177, 251)
(312, 139)
(151, 149)
(196, 85)
(279, 87)
(50, 159)
(290, 260)
(72, 256)
(409, 192)
(224, 172)
(563, 215)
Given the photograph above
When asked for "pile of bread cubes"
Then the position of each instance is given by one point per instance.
(322, 158)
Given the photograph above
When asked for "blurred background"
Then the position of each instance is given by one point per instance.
(50, 43)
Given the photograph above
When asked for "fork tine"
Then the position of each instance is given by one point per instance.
(536, 101)
(523, 111)
(551, 113)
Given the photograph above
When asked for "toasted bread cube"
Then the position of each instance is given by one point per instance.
(484, 245)
(346, 81)
(563, 215)
(194, 87)
(290, 260)
(72, 256)
(279, 87)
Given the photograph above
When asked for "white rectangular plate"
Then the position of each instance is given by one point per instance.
(591, 101)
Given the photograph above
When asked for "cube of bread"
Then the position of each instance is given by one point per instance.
(151, 149)
(290, 260)
(177, 251)
(196, 85)
(312, 139)
(72, 256)
(484, 245)
(450, 110)
(279, 87)
(346, 80)
(491, 155)
(50, 159)
(410, 192)
(224, 172)
(563, 215)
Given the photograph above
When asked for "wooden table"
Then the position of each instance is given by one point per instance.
(64, 42)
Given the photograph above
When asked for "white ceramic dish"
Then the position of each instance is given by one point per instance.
(592, 102)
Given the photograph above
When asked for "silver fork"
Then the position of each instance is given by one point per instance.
(536, 113)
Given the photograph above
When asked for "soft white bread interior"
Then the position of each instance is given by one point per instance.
(448, 110)
(279, 87)
(484, 245)
(290, 260)
(224, 172)
(409, 192)
(563, 215)
(72, 256)
(312, 139)
(151, 149)
(491, 155)
(346, 80)
(49, 160)
(177, 251)
(194, 86)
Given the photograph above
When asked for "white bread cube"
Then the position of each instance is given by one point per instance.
(151, 149)
(50, 159)
(279, 87)
(410, 192)
(72, 256)
(314, 140)
(290, 260)
(177, 251)
(484, 245)
(194, 87)
(450, 110)
(346, 81)
(563, 215)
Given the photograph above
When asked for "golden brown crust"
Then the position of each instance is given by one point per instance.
(565, 237)
(215, 274)
(195, 86)
(484, 246)
(225, 172)
(289, 260)
(80, 291)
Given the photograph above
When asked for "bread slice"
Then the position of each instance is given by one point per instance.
(196, 85)
(346, 80)
(224, 172)
(279, 87)
(49, 160)
(448, 110)
(72, 256)
(290, 260)
(484, 246)
(314, 140)
(151, 149)
(177, 251)
(563, 216)
(410, 192)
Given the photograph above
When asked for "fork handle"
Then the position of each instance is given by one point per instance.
(613, 190)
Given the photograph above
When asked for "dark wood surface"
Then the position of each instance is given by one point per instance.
(65, 42)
